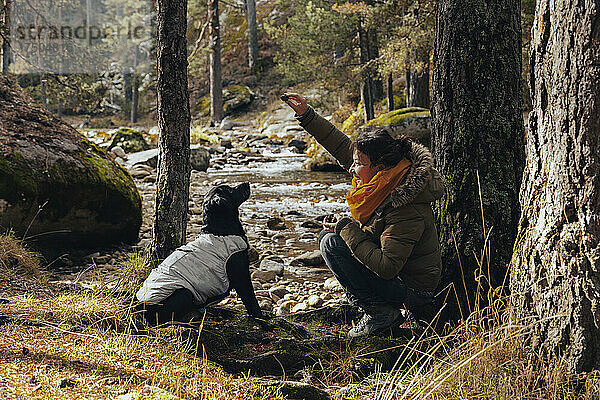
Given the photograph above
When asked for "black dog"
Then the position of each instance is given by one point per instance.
(204, 271)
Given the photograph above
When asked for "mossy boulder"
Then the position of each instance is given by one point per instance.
(129, 139)
(413, 122)
(235, 98)
(56, 187)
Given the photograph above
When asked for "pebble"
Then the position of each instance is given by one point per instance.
(278, 291)
(332, 284)
(272, 265)
(276, 224)
(311, 225)
(299, 307)
(65, 383)
(119, 152)
(315, 301)
(311, 259)
(263, 276)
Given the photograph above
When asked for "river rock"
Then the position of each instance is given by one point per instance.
(235, 98)
(129, 139)
(413, 122)
(119, 152)
(299, 307)
(311, 225)
(314, 301)
(279, 291)
(52, 179)
(272, 265)
(263, 276)
(310, 259)
(276, 224)
(332, 284)
(199, 157)
(299, 145)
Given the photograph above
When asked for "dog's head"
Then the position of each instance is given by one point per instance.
(220, 214)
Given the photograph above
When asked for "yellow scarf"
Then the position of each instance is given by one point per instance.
(363, 200)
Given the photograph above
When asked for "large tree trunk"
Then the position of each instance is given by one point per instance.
(172, 185)
(366, 83)
(477, 137)
(216, 86)
(557, 254)
(252, 35)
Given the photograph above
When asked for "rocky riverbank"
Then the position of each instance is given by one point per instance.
(282, 218)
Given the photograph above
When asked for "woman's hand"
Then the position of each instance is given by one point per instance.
(296, 102)
(329, 222)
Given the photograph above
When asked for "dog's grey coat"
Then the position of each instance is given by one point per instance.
(198, 266)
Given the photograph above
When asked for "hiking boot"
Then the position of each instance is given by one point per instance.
(377, 320)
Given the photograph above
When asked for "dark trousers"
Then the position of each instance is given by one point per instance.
(173, 308)
(363, 287)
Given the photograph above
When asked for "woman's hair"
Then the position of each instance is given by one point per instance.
(382, 148)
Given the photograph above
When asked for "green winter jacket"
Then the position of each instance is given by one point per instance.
(400, 238)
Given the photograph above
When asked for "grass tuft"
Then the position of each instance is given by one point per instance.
(16, 260)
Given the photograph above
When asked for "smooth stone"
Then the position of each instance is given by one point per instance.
(263, 276)
(299, 307)
(279, 291)
(270, 265)
(332, 284)
(311, 225)
(311, 258)
(119, 152)
(276, 224)
(315, 301)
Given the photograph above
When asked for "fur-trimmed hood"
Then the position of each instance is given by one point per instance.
(423, 183)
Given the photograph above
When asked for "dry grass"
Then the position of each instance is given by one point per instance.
(16, 260)
(85, 336)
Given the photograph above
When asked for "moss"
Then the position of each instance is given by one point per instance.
(17, 179)
(235, 97)
(115, 176)
(129, 139)
(398, 117)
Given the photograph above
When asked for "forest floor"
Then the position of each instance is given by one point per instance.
(69, 333)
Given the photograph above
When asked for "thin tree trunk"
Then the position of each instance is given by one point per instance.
(173, 112)
(477, 141)
(557, 253)
(417, 89)
(134, 88)
(216, 86)
(390, 92)
(377, 84)
(366, 83)
(252, 35)
(5, 40)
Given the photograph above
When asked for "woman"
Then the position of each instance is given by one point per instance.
(388, 254)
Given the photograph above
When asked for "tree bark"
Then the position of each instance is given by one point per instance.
(252, 35)
(6, 35)
(377, 84)
(134, 88)
(557, 253)
(417, 89)
(477, 137)
(366, 84)
(173, 113)
(216, 86)
(390, 93)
